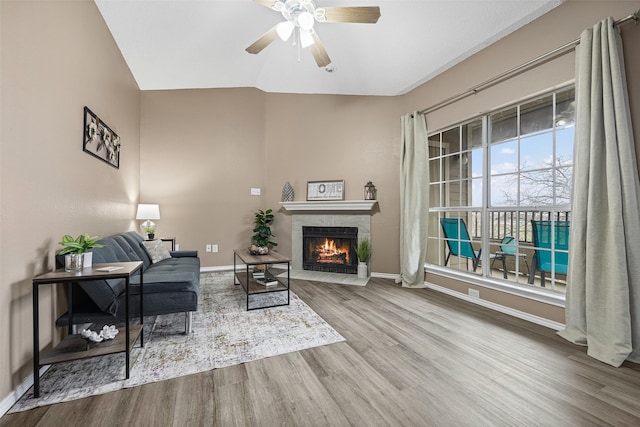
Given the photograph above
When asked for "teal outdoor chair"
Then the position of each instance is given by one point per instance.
(546, 258)
(508, 248)
(458, 241)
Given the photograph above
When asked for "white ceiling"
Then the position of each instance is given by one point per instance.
(181, 44)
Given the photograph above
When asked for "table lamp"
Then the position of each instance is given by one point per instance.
(148, 212)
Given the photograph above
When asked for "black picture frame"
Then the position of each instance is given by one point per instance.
(100, 140)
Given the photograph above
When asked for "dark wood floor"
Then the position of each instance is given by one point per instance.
(411, 357)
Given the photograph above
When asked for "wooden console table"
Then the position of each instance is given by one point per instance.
(249, 284)
(74, 347)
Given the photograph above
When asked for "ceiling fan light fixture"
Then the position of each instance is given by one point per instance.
(300, 17)
(320, 14)
(305, 20)
(278, 6)
(306, 39)
(284, 30)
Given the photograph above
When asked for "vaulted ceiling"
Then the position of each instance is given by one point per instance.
(184, 44)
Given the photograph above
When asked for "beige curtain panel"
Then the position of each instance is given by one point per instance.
(603, 292)
(414, 198)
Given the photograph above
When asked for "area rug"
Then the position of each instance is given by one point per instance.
(224, 334)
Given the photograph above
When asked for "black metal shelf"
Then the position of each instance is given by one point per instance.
(244, 276)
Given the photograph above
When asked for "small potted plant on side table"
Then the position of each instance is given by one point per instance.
(75, 251)
(363, 251)
(151, 232)
(262, 233)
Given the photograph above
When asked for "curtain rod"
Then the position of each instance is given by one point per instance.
(520, 68)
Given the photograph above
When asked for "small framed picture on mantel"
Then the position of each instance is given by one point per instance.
(325, 190)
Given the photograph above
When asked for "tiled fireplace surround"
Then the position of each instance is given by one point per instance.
(326, 214)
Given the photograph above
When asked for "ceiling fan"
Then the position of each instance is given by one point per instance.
(300, 16)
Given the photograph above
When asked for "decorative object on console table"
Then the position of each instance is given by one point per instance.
(99, 140)
(287, 192)
(364, 252)
(370, 191)
(262, 232)
(76, 251)
(148, 212)
(325, 190)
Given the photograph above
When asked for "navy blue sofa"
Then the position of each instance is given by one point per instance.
(170, 286)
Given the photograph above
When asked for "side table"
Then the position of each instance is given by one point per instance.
(251, 285)
(165, 239)
(73, 346)
(170, 239)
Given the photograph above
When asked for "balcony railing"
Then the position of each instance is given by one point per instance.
(512, 223)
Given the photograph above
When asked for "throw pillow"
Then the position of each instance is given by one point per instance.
(156, 250)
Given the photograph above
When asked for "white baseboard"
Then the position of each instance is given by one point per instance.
(216, 268)
(385, 275)
(15, 395)
(497, 307)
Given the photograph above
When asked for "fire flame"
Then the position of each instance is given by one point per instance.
(329, 252)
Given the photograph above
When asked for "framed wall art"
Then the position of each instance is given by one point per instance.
(99, 140)
(325, 190)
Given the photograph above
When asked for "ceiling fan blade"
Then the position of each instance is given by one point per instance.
(318, 51)
(362, 14)
(265, 3)
(265, 40)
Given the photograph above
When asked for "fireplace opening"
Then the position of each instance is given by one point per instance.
(330, 249)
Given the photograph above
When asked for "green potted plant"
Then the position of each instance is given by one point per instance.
(262, 232)
(363, 251)
(151, 232)
(75, 251)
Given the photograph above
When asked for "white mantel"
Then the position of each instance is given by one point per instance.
(330, 205)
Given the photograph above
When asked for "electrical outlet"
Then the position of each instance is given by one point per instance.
(214, 248)
(474, 293)
(208, 248)
(177, 247)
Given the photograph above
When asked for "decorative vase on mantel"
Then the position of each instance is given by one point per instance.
(287, 192)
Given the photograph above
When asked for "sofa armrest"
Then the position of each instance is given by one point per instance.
(182, 254)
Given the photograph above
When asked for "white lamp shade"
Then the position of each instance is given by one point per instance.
(148, 211)
(305, 20)
(306, 39)
(284, 30)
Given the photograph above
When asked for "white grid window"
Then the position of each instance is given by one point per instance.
(498, 175)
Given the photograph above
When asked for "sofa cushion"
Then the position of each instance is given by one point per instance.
(104, 293)
(115, 251)
(130, 253)
(156, 250)
(135, 241)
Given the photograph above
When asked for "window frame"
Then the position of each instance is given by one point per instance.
(444, 208)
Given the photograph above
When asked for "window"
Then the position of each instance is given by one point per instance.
(492, 179)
